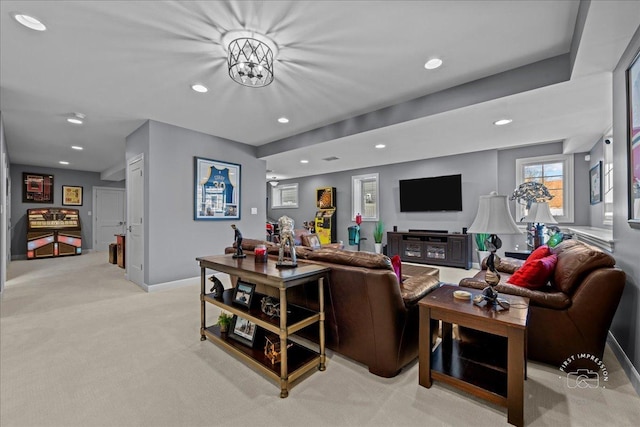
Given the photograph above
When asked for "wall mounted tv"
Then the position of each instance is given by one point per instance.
(440, 193)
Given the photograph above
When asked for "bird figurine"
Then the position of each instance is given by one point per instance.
(218, 289)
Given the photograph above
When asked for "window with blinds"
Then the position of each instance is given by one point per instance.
(284, 196)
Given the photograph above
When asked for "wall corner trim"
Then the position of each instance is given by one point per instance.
(626, 364)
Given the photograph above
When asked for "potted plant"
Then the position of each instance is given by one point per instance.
(224, 320)
(378, 233)
(481, 239)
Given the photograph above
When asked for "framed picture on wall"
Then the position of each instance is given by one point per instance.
(216, 190)
(595, 183)
(633, 145)
(37, 188)
(71, 195)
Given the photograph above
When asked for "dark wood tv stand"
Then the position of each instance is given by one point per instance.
(451, 250)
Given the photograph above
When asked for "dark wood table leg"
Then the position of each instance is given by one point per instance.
(515, 376)
(424, 348)
(203, 278)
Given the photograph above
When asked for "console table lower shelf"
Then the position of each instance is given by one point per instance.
(300, 359)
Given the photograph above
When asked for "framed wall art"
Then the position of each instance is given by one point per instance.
(37, 188)
(595, 183)
(71, 195)
(633, 146)
(243, 330)
(216, 190)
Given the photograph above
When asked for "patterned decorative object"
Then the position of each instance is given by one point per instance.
(529, 192)
(325, 199)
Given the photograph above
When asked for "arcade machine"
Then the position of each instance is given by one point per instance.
(325, 221)
(53, 232)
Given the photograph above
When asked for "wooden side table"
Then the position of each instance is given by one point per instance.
(493, 377)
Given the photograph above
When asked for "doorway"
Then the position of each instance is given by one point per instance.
(134, 241)
(108, 216)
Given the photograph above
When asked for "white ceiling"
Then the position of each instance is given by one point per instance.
(121, 63)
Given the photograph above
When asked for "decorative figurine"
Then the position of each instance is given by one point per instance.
(238, 239)
(286, 225)
(269, 307)
(218, 289)
(272, 350)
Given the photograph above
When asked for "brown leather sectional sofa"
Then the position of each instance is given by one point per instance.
(570, 316)
(369, 316)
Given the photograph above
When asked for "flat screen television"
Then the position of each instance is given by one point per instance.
(440, 193)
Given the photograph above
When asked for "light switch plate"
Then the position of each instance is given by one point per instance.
(254, 211)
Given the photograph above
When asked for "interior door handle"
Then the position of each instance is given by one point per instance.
(129, 229)
(120, 223)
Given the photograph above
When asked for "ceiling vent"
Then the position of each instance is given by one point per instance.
(330, 159)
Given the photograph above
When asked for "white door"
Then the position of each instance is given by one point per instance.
(134, 241)
(108, 216)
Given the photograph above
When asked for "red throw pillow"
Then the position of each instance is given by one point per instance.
(536, 273)
(540, 252)
(396, 263)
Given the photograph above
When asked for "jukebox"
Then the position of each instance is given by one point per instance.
(325, 221)
(53, 232)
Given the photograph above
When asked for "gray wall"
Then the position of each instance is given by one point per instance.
(61, 177)
(626, 324)
(482, 172)
(596, 212)
(173, 239)
(475, 181)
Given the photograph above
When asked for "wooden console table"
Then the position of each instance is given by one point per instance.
(452, 250)
(296, 360)
(490, 375)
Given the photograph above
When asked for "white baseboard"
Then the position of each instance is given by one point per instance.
(626, 364)
(172, 285)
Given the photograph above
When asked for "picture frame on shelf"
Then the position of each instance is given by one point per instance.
(243, 293)
(216, 190)
(633, 143)
(243, 330)
(595, 183)
(71, 195)
(37, 188)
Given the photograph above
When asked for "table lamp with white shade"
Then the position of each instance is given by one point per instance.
(539, 214)
(494, 218)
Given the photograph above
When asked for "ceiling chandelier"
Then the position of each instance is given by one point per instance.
(250, 57)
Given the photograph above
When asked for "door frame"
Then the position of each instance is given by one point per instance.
(94, 220)
(135, 159)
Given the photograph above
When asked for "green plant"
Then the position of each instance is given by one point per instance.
(224, 320)
(378, 232)
(480, 241)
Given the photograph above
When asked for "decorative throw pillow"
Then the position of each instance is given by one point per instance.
(396, 262)
(310, 240)
(534, 274)
(540, 252)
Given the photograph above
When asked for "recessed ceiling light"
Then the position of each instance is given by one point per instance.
(283, 120)
(77, 147)
(380, 145)
(29, 22)
(63, 162)
(304, 161)
(76, 118)
(433, 63)
(199, 88)
(502, 122)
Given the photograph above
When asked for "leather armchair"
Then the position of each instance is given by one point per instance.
(573, 313)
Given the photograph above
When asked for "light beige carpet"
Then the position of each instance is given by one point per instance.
(81, 346)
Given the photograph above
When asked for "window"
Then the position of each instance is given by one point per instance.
(365, 197)
(554, 172)
(607, 181)
(284, 196)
